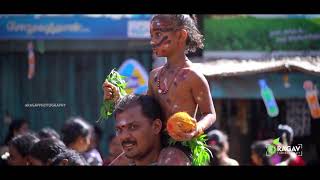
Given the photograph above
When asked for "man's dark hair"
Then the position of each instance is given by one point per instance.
(189, 23)
(75, 127)
(48, 133)
(24, 143)
(47, 149)
(74, 158)
(150, 107)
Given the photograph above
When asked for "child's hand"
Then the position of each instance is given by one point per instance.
(188, 136)
(110, 92)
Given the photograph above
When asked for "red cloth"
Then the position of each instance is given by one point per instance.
(298, 161)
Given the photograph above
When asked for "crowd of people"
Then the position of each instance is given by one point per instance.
(77, 145)
(139, 140)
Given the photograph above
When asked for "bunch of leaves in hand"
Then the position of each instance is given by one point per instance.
(200, 153)
(107, 106)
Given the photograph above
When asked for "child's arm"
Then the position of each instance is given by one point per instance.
(202, 96)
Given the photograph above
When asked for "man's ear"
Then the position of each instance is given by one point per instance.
(157, 126)
(64, 162)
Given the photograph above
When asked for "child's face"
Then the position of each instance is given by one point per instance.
(164, 39)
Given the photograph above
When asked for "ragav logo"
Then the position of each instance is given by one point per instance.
(277, 147)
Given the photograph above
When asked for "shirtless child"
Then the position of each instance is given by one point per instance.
(177, 86)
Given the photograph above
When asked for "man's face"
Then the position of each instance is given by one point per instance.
(16, 158)
(163, 37)
(137, 133)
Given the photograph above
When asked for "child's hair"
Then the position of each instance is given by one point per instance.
(189, 23)
(75, 127)
(217, 139)
(48, 133)
(47, 149)
(23, 143)
(74, 158)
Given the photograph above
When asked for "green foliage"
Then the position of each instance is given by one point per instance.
(200, 153)
(107, 107)
(244, 33)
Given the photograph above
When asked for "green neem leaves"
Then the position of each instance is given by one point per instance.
(107, 107)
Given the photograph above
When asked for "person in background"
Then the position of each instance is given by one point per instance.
(258, 154)
(92, 155)
(16, 127)
(115, 150)
(219, 145)
(43, 152)
(69, 158)
(76, 134)
(286, 135)
(19, 149)
(48, 132)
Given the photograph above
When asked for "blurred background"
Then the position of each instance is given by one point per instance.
(64, 59)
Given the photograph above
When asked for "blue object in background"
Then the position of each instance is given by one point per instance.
(93, 27)
(268, 99)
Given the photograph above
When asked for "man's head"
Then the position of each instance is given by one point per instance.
(45, 150)
(172, 32)
(19, 149)
(138, 125)
(76, 134)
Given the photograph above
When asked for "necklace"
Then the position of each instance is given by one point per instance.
(165, 91)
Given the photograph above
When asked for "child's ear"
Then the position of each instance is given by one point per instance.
(157, 126)
(183, 34)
